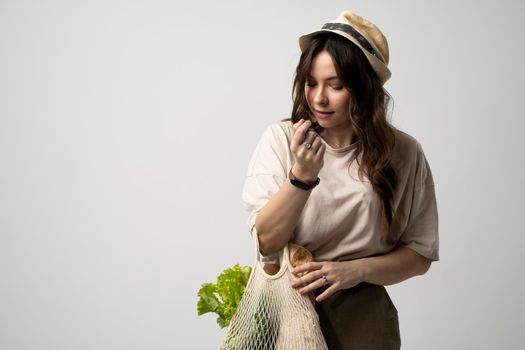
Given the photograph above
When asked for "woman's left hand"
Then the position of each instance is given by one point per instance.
(336, 274)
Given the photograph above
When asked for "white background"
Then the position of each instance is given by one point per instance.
(125, 132)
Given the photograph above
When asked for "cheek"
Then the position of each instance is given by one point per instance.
(307, 94)
(308, 97)
(343, 102)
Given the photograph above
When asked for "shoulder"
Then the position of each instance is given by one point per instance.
(407, 153)
(278, 132)
(281, 128)
(272, 154)
(407, 148)
(409, 156)
(405, 141)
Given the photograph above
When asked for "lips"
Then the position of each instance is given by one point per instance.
(322, 113)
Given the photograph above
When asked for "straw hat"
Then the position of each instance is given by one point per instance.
(361, 32)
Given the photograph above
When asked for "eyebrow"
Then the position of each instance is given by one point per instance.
(329, 78)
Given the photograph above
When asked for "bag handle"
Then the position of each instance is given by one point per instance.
(284, 258)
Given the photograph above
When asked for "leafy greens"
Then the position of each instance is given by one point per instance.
(224, 296)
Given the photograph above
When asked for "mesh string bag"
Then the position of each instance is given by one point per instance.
(272, 315)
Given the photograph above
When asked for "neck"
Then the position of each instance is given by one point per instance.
(338, 137)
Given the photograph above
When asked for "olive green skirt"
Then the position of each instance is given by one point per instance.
(359, 318)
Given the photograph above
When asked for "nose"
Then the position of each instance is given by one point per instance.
(320, 97)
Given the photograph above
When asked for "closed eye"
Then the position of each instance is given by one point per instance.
(337, 87)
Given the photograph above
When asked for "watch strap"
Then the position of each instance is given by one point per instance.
(304, 185)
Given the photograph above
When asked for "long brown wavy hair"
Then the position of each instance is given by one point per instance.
(368, 114)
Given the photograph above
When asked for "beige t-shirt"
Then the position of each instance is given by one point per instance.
(340, 220)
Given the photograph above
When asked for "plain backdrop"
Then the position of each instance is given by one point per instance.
(126, 128)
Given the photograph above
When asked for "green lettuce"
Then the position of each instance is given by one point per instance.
(224, 296)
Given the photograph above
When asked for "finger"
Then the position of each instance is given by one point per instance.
(298, 138)
(308, 278)
(300, 133)
(318, 283)
(316, 143)
(310, 136)
(303, 128)
(320, 152)
(296, 125)
(327, 293)
(311, 266)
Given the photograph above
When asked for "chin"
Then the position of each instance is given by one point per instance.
(324, 123)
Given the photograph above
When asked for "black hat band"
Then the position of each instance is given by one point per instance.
(355, 34)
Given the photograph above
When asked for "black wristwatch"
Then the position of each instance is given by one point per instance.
(304, 185)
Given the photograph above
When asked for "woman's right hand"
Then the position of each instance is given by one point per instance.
(308, 161)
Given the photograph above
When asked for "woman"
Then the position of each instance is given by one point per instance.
(340, 180)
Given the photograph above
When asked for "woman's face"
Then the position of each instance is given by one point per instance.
(325, 93)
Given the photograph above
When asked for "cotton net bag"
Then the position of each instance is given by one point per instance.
(272, 315)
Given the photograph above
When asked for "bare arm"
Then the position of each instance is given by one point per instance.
(391, 268)
(394, 267)
(276, 222)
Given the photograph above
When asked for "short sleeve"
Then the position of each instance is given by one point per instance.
(267, 171)
(422, 232)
